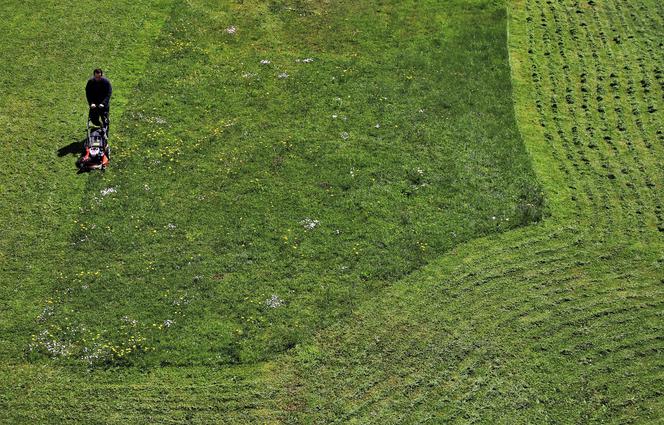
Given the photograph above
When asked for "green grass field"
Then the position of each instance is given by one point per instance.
(396, 212)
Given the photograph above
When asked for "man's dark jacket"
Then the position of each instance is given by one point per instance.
(98, 91)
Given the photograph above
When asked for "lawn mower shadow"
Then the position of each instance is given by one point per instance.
(74, 148)
(83, 170)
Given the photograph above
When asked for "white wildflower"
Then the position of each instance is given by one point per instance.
(265, 62)
(108, 191)
(283, 75)
(231, 30)
(344, 135)
(274, 301)
(45, 314)
(309, 224)
(168, 323)
(53, 347)
(128, 320)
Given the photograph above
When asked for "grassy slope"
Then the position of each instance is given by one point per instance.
(555, 323)
(221, 161)
(533, 325)
(210, 138)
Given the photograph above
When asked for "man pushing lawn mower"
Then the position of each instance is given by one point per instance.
(96, 152)
(98, 91)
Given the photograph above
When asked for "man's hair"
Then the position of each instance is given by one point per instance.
(98, 71)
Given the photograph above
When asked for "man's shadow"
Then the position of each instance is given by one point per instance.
(74, 148)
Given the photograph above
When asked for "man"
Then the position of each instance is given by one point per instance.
(98, 92)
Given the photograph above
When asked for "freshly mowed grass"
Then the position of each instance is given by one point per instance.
(250, 203)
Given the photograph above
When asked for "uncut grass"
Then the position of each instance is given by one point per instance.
(400, 144)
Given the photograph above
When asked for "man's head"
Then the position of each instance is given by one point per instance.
(98, 74)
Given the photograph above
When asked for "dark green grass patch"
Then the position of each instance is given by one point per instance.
(280, 162)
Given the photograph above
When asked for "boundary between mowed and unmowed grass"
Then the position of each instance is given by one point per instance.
(555, 322)
(390, 215)
(246, 392)
(559, 322)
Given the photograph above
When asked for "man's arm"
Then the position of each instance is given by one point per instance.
(88, 92)
(109, 91)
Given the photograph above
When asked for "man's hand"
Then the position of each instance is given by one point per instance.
(92, 105)
(101, 105)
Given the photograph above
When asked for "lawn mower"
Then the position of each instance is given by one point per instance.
(96, 151)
